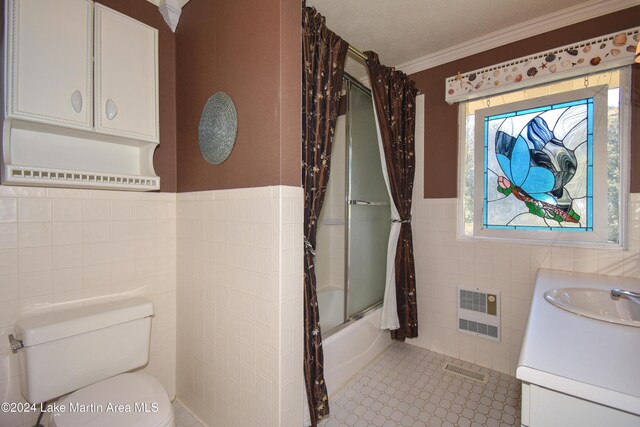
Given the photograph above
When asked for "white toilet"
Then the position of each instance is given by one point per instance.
(86, 352)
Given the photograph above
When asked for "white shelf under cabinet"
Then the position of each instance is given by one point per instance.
(43, 155)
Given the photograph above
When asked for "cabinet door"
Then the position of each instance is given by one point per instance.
(126, 76)
(49, 61)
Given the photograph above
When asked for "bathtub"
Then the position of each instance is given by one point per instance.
(351, 348)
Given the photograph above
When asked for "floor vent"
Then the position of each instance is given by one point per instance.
(469, 374)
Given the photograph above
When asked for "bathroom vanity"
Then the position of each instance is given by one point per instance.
(578, 370)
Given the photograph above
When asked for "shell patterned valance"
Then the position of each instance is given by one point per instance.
(583, 58)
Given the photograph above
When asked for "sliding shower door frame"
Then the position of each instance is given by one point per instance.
(351, 81)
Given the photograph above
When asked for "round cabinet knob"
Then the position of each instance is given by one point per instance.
(76, 101)
(111, 109)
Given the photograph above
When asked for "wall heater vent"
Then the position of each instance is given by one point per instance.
(469, 374)
(479, 313)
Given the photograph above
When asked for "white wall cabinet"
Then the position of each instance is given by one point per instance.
(81, 96)
(51, 74)
(125, 76)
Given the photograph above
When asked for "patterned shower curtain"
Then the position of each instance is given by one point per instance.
(323, 56)
(394, 99)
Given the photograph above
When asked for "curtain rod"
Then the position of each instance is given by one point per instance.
(358, 53)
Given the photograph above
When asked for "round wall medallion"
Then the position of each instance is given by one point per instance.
(218, 128)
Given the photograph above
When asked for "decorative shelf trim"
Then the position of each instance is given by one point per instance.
(583, 58)
(21, 175)
(47, 155)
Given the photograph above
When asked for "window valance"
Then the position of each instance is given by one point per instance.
(582, 58)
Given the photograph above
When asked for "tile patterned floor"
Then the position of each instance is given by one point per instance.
(406, 386)
(182, 417)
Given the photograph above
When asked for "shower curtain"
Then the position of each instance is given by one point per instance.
(323, 57)
(394, 96)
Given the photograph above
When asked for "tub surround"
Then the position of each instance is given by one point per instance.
(587, 358)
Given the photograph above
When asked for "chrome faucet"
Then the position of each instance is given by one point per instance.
(635, 296)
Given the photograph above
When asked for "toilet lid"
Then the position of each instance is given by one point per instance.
(127, 400)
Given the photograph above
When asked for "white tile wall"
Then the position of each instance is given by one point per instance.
(239, 316)
(443, 263)
(61, 248)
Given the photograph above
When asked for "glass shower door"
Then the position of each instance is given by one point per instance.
(369, 212)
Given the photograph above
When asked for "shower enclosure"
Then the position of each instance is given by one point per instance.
(354, 223)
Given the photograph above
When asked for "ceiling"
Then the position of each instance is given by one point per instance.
(403, 30)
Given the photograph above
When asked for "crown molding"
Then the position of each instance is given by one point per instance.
(553, 21)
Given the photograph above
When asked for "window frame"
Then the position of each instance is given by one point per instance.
(599, 237)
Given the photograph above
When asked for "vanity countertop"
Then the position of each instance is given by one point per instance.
(580, 356)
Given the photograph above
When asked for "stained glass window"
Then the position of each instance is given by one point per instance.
(548, 162)
(538, 172)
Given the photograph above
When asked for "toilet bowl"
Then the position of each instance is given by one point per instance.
(85, 355)
(125, 400)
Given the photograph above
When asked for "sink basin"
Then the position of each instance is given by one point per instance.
(597, 304)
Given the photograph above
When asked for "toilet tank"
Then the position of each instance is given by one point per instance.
(71, 349)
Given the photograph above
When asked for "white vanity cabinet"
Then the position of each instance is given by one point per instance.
(81, 96)
(50, 61)
(126, 85)
(577, 371)
(542, 407)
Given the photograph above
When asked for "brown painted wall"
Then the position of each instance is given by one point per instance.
(441, 119)
(290, 93)
(251, 50)
(164, 159)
